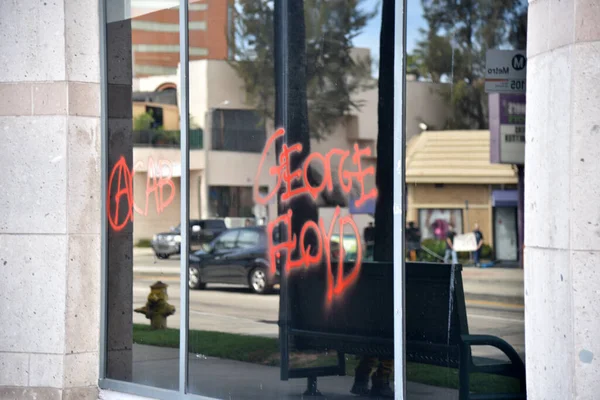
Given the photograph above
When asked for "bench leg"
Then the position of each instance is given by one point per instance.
(342, 363)
(311, 387)
(463, 373)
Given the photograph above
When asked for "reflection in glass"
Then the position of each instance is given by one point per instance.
(143, 192)
(451, 181)
(243, 312)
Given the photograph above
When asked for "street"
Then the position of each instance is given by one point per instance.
(230, 309)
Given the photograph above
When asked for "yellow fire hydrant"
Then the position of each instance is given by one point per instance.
(157, 309)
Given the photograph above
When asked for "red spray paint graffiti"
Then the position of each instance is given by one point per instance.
(284, 175)
(122, 177)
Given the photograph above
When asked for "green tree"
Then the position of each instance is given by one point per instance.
(333, 73)
(454, 47)
(143, 122)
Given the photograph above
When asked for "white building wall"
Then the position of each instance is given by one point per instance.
(562, 197)
(51, 200)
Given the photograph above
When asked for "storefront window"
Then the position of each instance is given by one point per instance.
(464, 70)
(289, 106)
(268, 308)
(143, 190)
(272, 130)
(436, 223)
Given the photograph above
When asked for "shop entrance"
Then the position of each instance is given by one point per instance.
(505, 233)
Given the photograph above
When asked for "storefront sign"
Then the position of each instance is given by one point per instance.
(285, 179)
(507, 128)
(505, 71)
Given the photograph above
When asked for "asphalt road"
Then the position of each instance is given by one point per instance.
(235, 310)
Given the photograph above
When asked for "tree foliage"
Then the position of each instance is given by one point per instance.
(143, 121)
(333, 72)
(454, 46)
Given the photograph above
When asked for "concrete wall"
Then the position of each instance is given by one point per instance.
(424, 104)
(562, 193)
(50, 229)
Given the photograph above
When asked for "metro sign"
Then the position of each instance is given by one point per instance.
(505, 71)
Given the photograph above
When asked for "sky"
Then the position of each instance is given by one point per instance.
(370, 36)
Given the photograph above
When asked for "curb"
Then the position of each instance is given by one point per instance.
(498, 300)
(172, 274)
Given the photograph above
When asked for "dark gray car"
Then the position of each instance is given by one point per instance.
(238, 256)
(202, 232)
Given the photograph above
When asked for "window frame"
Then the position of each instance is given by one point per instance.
(281, 68)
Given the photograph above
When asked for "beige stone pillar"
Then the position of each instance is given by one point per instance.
(562, 200)
(50, 199)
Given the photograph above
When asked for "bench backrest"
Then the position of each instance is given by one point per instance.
(435, 315)
(362, 320)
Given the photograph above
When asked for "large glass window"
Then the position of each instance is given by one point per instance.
(292, 167)
(289, 275)
(143, 191)
(465, 85)
(289, 108)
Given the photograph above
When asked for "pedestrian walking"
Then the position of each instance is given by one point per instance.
(413, 241)
(450, 246)
(479, 241)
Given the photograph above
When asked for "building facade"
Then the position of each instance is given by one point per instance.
(155, 34)
(450, 180)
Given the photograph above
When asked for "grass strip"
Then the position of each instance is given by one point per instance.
(253, 349)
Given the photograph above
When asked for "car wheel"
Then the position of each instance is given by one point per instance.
(258, 280)
(194, 279)
(162, 256)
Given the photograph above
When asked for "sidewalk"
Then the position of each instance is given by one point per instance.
(494, 285)
(226, 379)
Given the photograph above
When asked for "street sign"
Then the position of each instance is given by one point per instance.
(507, 128)
(505, 71)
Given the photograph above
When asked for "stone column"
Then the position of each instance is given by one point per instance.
(50, 199)
(562, 200)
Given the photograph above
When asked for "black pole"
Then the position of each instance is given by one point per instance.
(281, 120)
(291, 113)
(384, 209)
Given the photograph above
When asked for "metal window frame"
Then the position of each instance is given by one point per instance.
(399, 195)
(398, 199)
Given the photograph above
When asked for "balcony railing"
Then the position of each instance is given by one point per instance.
(166, 139)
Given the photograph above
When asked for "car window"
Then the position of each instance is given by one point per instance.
(248, 239)
(215, 224)
(226, 241)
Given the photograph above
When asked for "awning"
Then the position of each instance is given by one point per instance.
(505, 198)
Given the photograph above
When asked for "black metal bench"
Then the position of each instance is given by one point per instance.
(361, 323)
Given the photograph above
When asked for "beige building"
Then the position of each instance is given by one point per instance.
(450, 180)
(218, 105)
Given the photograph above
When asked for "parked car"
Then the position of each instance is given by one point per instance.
(202, 232)
(238, 256)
